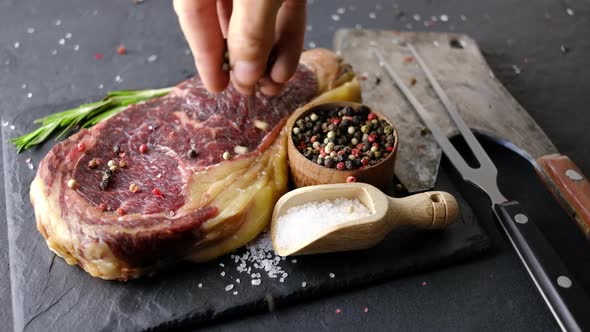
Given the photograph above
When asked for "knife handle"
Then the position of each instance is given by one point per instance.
(572, 189)
(564, 296)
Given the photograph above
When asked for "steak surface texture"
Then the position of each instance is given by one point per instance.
(188, 176)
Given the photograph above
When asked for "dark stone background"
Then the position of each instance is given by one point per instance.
(491, 293)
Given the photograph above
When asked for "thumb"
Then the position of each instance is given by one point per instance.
(251, 36)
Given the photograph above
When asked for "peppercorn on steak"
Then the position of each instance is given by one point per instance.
(187, 176)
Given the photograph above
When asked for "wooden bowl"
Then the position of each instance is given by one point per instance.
(304, 172)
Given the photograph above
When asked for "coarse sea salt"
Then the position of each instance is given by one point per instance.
(305, 222)
(259, 255)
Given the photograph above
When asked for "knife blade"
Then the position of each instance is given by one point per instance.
(563, 295)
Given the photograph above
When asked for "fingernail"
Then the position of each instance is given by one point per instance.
(246, 72)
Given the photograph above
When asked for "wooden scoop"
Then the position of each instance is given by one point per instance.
(429, 210)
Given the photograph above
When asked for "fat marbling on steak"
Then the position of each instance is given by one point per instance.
(196, 174)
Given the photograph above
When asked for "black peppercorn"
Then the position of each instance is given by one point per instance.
(191, 153)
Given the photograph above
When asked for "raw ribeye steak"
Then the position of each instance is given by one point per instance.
(188, 176)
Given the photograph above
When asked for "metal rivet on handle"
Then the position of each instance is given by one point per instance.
(564, 282)
(521, 218)
(573, 175)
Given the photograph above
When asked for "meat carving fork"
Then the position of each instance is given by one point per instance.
(564, 296)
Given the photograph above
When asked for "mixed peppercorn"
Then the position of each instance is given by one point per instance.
(344, 138)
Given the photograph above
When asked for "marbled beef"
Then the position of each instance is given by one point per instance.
(195, 174)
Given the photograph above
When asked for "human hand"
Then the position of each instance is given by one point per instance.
(253, 29)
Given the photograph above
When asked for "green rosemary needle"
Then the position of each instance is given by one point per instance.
(84, 116)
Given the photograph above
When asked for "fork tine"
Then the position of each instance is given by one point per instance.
(474, 145)
(448, 148)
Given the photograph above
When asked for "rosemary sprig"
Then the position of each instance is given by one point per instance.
(84, 116)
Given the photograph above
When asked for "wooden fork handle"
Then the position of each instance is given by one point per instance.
(428, 210)
(569, 185)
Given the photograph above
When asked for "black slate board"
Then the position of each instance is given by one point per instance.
(49, 293)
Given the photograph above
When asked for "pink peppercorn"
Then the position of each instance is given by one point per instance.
(340, 166)
(371, 116)
(120, 212)
(350, 179)
(143, 148)
(156, 192)
(81, 146)
(102, 207)
(338, 311)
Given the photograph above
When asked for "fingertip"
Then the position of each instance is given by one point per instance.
(243, 89)
(270, 88)
(285, 66)
(247, 73)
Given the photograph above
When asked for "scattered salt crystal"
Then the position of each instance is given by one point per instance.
(187, 51)
(28, 160)
(444, 17)
(5, 123)
(68, 35)
(570, 11)
(12, 127)
(238, 280)
(29, 95)
(220, 264)
(152, 58)
(76, 47)
(282, 280)
(516, 69)
(372, 16)
(262, 125)
(409, 26)
(435, 43)
(118, 79)
(200, 285)
(416, 17)
(311, 44)
(332, 275)
(30, 166)
(54, 52)
(24, 86)
(303, 223)
(222, 273)
(308, 28)
(100, 86)
(62, 41)
(358, 26)
(229, 287)
(341, 10)
(259, 255)
(303, 284)
(335, 17)
(463, 18)
(31, 30)
(58, 22)
(235, 293)
(238, 149)
(16, 44)
(293, 261)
